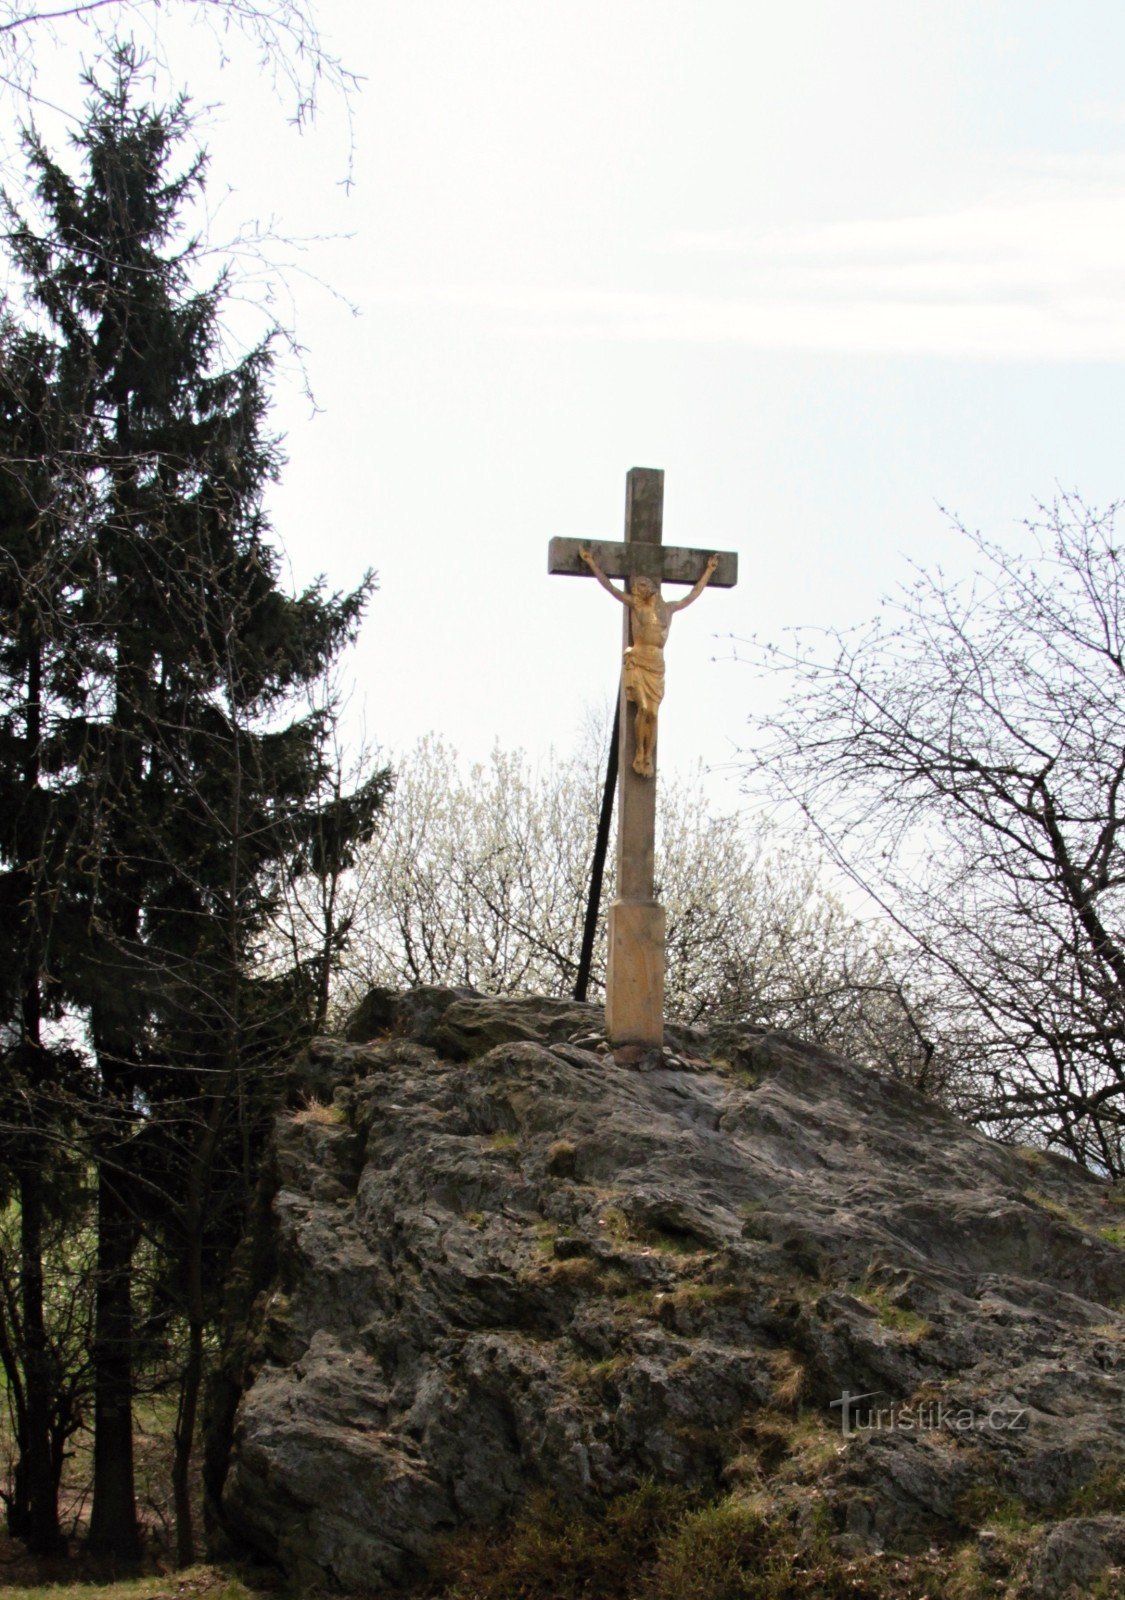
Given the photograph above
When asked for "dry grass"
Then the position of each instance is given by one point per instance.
(557, 1553)
(562, 1158)
(662, 1543)
(790, 1379)
(320, 1112)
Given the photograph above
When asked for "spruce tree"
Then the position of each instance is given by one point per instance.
(200, 783)
(44, 657)
(30, 601)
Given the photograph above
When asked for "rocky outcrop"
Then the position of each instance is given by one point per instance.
(496, 1258)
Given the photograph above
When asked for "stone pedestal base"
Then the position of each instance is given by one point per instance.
(634, 1010)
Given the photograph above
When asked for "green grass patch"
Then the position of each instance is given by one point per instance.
(746, 1077)
(622, 1231)
(897, 1319)
(616, 1224)
(546, 1232)
(690, 1295)
(602, 1376)
(1054, 1208)
(1103, 1494)
(986, 1506)
(193, 1583)
(1111, 1232)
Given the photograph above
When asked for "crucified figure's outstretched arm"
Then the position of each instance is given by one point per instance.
(705, 579)
(587, 555)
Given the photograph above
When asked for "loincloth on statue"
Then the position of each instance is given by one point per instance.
(644, 675)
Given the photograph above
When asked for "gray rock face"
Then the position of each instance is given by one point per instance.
(1075, 1555)
(503, 1259)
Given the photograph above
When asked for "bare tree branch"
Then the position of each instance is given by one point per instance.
(962, 760)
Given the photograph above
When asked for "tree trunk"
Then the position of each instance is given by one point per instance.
(35, 1511)
(117, 1021)
(185, 1437)
(113, 1518)
(198, 1189)
(42, 1531)
(191, 1378)
(16, 1500)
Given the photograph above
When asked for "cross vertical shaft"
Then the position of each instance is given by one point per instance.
(635, 979)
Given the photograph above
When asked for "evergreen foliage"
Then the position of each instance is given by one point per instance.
(169, 765)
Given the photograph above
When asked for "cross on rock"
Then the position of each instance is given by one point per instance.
(635, 974)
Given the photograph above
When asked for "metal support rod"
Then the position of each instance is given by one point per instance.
(601, 844)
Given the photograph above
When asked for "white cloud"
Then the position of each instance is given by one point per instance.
(1039, 277)
(1106, 113)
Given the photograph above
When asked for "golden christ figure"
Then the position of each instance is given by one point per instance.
(644, 659)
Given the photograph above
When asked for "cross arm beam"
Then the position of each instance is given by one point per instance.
(667, 563)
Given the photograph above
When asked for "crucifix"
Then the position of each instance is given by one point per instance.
(635, 975)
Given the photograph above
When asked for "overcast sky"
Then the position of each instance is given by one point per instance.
(828, 265)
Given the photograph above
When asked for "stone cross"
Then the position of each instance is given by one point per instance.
(635, 975)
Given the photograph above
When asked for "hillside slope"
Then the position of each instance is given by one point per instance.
(493, 1258)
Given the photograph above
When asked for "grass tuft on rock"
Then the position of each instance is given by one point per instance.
(662, 1543)
(320, 1112)
(553, 1552)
